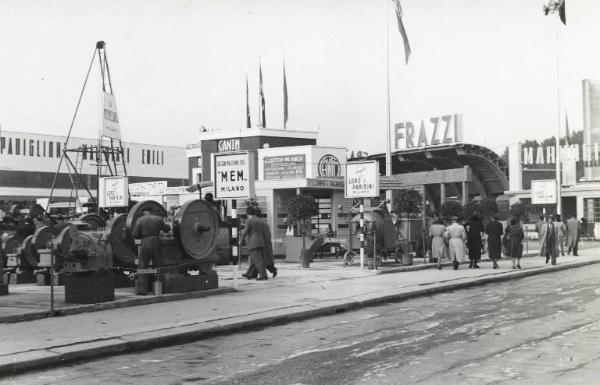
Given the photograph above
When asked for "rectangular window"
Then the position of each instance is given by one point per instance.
(143, 156)
(50, 150)
(17, 146)
(58, 149)
(148, 156)
(44, 146)
(127, 154)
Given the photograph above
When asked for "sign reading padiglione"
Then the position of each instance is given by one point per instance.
(362, 179)
(232, 175)
(543, 192)
(284, 167)
(445, 129)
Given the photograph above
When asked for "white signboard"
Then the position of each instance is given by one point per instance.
(543, 192)
(113, 192)
(146, 189)
(362, 179)
(110, 118)
(232, 175)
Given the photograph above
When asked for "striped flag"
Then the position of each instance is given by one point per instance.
(248, 122)
(402, 29)
(262, 112)
(285, 99)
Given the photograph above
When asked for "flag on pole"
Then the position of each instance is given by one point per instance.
(262, 116)
(248, 122)
(285, 99)
(402, 29)
(557, 6)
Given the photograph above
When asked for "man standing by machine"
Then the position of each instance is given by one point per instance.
(148, 228)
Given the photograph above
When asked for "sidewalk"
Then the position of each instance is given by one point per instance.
(325, 288)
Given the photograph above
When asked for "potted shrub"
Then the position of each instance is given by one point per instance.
(301, 209)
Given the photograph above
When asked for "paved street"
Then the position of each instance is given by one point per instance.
(540, 329)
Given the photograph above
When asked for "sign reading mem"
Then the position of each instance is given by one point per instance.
(232, 175)
(284, 167)
(362, 179)
(543, 192)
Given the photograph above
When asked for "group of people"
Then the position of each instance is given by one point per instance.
(554, 235)
(453, 240)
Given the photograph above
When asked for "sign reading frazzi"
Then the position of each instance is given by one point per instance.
(232, 175)
(543, 192)
(362, 179)
(446, 129)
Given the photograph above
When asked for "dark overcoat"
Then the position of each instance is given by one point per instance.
(494, 231)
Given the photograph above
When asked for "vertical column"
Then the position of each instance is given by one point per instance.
(465, 192)
(362, 233)
(235, 252)
(424, 221)
(442, 193)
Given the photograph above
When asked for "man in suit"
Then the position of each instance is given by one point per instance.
(254, 235)
(148, 228)
(573, 231)
(550, 240)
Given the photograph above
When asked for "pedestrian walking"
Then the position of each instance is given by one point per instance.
(254, 236)
(494, 232)
(539, 226)
(516, 242)
(549, 247)
(438, 244)
(584, 227)
(562, 233)
(573, 231)
(474, 228)
(456, 235)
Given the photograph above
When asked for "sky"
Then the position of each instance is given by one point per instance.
(179, 65)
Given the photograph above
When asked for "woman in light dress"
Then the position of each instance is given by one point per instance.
(438, 245)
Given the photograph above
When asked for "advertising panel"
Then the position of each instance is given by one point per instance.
(362, 179)
(232, 175)
(146, 189)
(439, 130)
(284, 167)
(543, 192)
(114, 192)
(110, 118)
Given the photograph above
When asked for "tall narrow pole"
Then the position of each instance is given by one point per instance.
(388, 149)
(557, 155)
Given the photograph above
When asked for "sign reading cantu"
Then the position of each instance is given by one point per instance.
(362, 179)
(284, 167)
(543, 192)
(114, 192)
(110, 126)
(232, 175)
(445, 129)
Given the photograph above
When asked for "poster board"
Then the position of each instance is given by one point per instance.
(543, 192)
(362, 179)
(114, 191)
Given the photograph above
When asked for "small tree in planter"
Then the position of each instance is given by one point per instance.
(452, 209)
(407, 202)
(301, 208)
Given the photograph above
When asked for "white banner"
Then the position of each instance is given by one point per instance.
(145, 189)
(362, 179)
(232, 176)
(113, 192)
(110, 125)
(543, 192)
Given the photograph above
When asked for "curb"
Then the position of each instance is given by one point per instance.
(25, 361)
(120, 303)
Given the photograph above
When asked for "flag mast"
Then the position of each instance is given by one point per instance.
(558, 182)
(388, 147)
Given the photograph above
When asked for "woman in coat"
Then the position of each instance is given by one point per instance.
(494, 231)
(516, 245)
(456, 235)
(474, 229)
(438, 245)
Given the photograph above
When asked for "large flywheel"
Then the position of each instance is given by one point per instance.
(196, 226)
(119, 240)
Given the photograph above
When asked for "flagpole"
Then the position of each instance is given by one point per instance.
(388, 150)
(557, 155)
